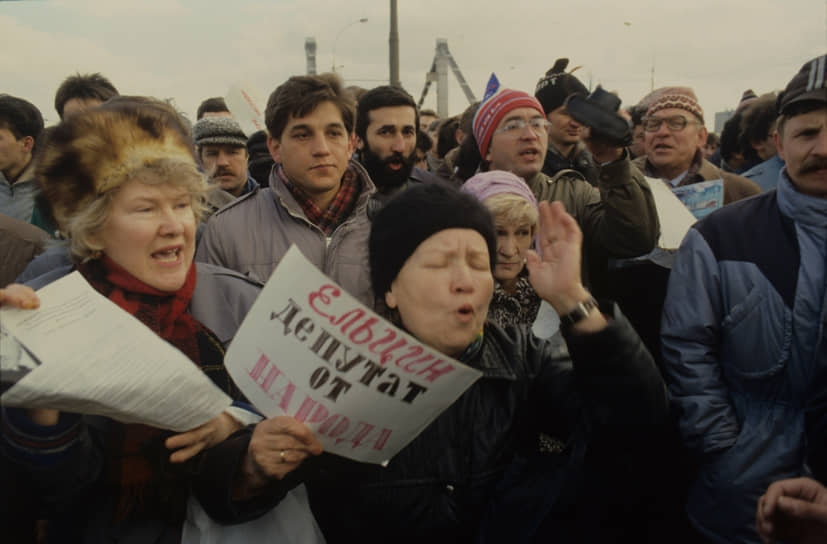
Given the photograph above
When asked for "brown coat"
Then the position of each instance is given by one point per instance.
(735, 187)
(20, 242)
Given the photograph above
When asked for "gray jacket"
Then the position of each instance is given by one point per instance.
(17, 199)
(252, 234)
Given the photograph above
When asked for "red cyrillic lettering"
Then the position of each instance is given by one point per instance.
(363, 331)
(434, 371)
(322, 297)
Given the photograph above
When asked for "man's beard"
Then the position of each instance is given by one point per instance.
(380, 170)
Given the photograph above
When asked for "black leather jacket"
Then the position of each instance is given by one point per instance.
(437, 487)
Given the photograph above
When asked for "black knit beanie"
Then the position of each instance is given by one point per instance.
(553, 88)
(413, 216)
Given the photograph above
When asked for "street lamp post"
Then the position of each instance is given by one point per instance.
(350, 24)
(628, 24)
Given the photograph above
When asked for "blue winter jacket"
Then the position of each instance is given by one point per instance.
(765, 174)
(743, 335)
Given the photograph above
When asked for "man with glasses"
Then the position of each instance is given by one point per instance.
(744, 331)
(618, 220)
(674, 138)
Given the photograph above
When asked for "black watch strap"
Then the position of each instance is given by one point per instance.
(579, 313)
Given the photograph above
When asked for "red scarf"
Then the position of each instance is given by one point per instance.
(133, 463)
(339, 209)
(164, 313)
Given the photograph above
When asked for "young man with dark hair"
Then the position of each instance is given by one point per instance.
(20, 126)
(80, 92)
(213, 107)
(387, 123)
(317, 197)
(744, 332)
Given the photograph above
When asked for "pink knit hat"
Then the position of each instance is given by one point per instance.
(675, 97)
(495, 182)
(492, 110)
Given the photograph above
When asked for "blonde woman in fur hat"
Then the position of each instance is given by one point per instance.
(124, 187)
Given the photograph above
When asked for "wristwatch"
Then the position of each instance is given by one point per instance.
(579, 313)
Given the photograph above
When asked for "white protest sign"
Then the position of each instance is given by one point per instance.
(675, 218)
(309, 350)
(97, 359)
(247, 107)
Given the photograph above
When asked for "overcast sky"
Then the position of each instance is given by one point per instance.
(190, 50)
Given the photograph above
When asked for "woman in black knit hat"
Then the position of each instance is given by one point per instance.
(431, 256)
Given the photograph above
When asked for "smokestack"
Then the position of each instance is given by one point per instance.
(310, 53)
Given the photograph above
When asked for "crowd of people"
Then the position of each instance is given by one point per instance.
(623, 397)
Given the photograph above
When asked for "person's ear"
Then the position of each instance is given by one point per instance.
(28, 144)
(274, 147)
(390, 298)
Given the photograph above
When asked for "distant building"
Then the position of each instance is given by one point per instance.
(722, 117)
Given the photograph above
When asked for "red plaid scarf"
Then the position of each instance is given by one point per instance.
(340, 208)
(133, 466)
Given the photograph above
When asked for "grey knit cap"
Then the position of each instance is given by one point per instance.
(218, 130)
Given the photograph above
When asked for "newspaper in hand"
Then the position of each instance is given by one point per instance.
(81, 353)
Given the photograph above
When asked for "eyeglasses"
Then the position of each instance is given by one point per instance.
(674, 124)
(515, 127)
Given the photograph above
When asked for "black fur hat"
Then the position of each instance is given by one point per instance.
(557, 85)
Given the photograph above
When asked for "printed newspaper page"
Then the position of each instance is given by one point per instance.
(309, 350)
(91, 357)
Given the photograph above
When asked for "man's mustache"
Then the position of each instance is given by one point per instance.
(395, 157)
(813, 165)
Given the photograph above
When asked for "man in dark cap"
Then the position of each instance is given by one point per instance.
(221, 147)
(565, 146)
(744, 331)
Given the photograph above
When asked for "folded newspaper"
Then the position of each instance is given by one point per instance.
(79, 352)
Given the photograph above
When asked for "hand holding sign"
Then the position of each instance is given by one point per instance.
(310, 351)
(278, 446)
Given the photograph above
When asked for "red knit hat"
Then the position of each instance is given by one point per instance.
(492, 110)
